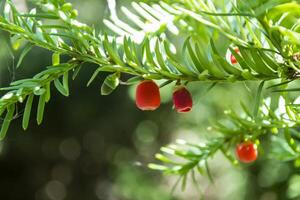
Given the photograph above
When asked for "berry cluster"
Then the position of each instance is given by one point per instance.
(148, 97)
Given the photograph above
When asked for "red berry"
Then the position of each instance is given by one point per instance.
(246, 152)
(147, 95)
(182, 100)
(232, 58)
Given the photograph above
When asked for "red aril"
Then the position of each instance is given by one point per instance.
(246, 152)
(147, 95)
(182, 100)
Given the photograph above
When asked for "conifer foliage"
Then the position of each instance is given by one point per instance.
(263, 45)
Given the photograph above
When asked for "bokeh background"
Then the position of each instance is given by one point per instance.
(95, 147)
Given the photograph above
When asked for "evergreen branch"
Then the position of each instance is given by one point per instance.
(184, 157)
(39, 86)
(159, 50)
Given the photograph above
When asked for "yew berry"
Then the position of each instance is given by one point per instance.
(246, 152)
(182, 99)
(147, 95)
(232, 58)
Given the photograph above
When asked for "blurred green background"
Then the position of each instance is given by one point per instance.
(97, 147)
